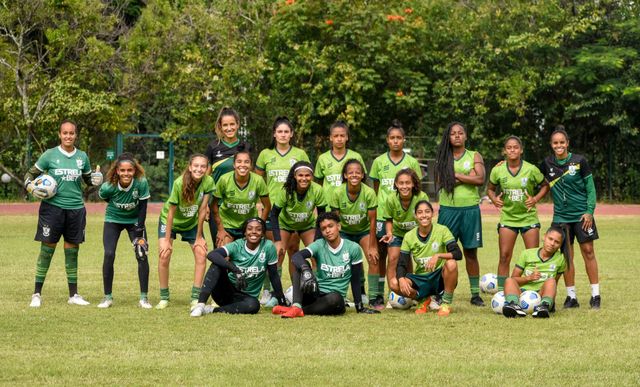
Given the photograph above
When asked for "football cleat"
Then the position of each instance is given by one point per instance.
(193, 304)
(424, 307)
(365, 299)
(163, 304)
(293, 313)
(280, 309)
(541, 311)
(266, 297)
(144, 303)
(377, 303)
(77, 300)
(476, 301)
(435, 303)
(36, 300)
(511, 309)
(595, 302)
(197, 310)
(571, 303)
(445, 310)
(272, 302)
(105, 303)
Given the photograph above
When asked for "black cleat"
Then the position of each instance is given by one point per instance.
(595, 302)
(477, 301)
(541, 311)
(571, 303)
(377, 303)
(553, 308)
(511, 310)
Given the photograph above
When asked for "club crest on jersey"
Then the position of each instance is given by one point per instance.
(551, 173)
(466, 166)
(292, 161)
(309, 204)
(362, 206)
(435, 246)
(80, 163)
(552, 266)
(46, 230)
(345, 257)
(252, 194)
(201, 196)
(523, 181)
(135, 193)
(572, 169)
(262, 257)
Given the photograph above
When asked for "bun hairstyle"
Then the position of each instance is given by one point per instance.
(560, 129)
(395, 125)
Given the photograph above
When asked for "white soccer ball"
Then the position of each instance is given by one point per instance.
(489, 283)
(399, 302)
(529, 299)
(497, 302)
(288, 294)
(47, 184)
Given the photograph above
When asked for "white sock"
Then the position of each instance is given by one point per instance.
(595, 290)
(571, 291)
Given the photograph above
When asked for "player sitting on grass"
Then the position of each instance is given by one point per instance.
(537, 269)
(237, 273)
(434, 251)
(339, 262)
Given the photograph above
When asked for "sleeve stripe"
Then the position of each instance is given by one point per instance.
(37, 166)
(520, 267)
(145, 197)
(357, 262)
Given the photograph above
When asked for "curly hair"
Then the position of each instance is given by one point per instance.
(254, 219)
(327, 216)
(445, 176)
(189, 184)
(112, 175)
(291, 185)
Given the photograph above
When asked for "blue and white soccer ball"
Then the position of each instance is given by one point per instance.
(399, 302)
(497, 302)
(46, 183)
(489, 283)
(529, 299)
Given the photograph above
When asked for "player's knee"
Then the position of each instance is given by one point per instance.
(109, 255)
(505, 259)
(253, 306)
(164, 261)
(450, 265)
(587, 252)
(141, 259)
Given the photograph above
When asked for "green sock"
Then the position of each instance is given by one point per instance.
(548, 300)
(381, 285)
(474, 284)
(108, 296)
(362, 282)
(195, 292)
(512, 298)
(43, 263)
(373, 285)
(501, 279)
(71, 264)
(143, 295)
(164, 294)
(447, 298)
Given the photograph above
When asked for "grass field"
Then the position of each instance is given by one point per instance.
(62, 344)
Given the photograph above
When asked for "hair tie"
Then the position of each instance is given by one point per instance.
(303, 167)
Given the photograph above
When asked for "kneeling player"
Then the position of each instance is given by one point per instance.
(537, 269)
(434, 251)
(339, 263)
(237, 272)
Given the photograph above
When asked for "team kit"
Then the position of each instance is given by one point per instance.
(328, 219)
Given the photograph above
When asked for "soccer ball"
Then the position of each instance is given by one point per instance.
(497, 302)
(288, 294)
(529, 299)
(399, 302)
(47, 184)
(489, 283)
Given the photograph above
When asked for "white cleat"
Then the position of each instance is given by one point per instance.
(105, 303)
(78, 300)
(36, 300)
(272, 302)
(145, 304)
(266, 297)
(163, 304)
(198, 310)
(365, 299)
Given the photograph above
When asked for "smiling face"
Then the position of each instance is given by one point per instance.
(283, 134)
(229, 128)
(125, 171)
(330, 230)
(560, 145)
(395, 140)
(339, 138)
(512, 150)
(67, 135)
(424, 215)
(303, 178)
(354, 174)
(404, 185)
(457, 136)
(198, 167)
(254, 232)
(242, 164)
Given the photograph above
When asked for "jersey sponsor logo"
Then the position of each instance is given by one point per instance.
(126, 206)
(240, 209)
(524, 181)
(80, 163)
(231, 193)
(334, 180)
(188, 211)
(435, 246)
(46, 230)
(279, 175)
(352, 219)
(388, 183)
(422, 261)
(385, 168)
(332, 271)
(67, 174)
(252, 271)
(345, 257)
(515, 195)
(543, 275)
(299, 217)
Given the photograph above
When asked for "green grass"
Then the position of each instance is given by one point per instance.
(64, 344)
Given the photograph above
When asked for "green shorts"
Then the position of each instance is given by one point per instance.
(465, 223)
(396, 241)
(354, 237)
(380, 229)
(519, 230)
(188, 236)
(236, 233)
(429, 284)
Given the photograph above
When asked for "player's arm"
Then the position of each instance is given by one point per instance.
(165, 243)
(491, 193)
(542, 191)
(388, 237)
(373, 253)
(476, 177)
(275, 222)
(276, 284)
(516, 274)
(202, 214)
(266, 207)
(405, 284)
(222, 233)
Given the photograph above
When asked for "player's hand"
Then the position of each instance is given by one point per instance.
(200, 243)
(405, 287)
(530, 202)
(165, 248)
(37, 193)
(282, 301)
(96, 177)
(308, 282)
(372, 254)
(207, 213)
(141, 247)
(360, 308)
(222, 235)
(498, 201)
(387, 238)
(535, 275)
(241, 279)
(431, 262)
(587, 221)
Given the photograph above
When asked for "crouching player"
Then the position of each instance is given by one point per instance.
(434, 251)
(339, 262)
(537, 269)
(237, 273)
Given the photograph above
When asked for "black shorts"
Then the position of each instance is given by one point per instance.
(576, 231)
(54, 222)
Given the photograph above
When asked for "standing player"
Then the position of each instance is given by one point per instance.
(400, 217)
(126, 191)
(62, 215)
(235, 199)
(356, 205)
(339, 263)
(184, 213)
(220, 152)
(574, 203)
(383, 173)
(237, 272)
(274, 163)
(459, 172)
(434, 252)
(518, 181)
(537, 269)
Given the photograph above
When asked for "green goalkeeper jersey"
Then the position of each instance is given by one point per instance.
(464, 195)
(404, 219)
(329, 169)
(67, 169)
(239, 204)
(384, 171)
(422, 249)
(530, 259)
(298, 212)
(186, 215)
(354, 214)
(515, 188)
(276, 167)
(123, 203)
(334, 265)
(253, 263)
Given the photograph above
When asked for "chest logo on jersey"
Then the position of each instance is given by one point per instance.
(309, 204)
(572, 169)
(218, 155)
(262, 257)
(385, 168)
(252, 195)
(292, 161)
(345, 257)
(135, 193)
(362, 206)
(80, 163)
(551, 173)
(552, 266)
(466, 165)
(524, 181)
(435, 246)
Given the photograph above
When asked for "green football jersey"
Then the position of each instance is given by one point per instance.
(464, 195)
(253, 263)
(334, 265)
(186, 215)
(123, 202)
(530, 259)
(276, 167)
(329, 169)
(404, 219)
(298, 213)
(67, 169)
(354, 214)
(422, 251)
(384, 171)
(514, 213)
(239, 204)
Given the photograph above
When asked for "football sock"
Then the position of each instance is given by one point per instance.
(164, 294)
(474, 284)
(42, 265)
(501, 279)
(143, 295)
(71, 267)
(195, 292)
(512, 298)
(447, 298)
(548, 300)
(362, 282)
(381, 285)
(595, 290)
(108, 296)
(373, 285)
(571, 291)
